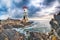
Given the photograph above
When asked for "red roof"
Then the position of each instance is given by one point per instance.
(24, 7)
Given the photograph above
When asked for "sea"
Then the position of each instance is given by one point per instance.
(37, 26)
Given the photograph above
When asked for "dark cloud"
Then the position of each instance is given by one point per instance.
(33, 10)
(3, 9)
(48, 2)
(17, 16)
(59, 1)
(21, 4)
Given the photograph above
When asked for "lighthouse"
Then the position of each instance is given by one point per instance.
(25, 14)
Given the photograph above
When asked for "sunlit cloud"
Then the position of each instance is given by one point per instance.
(49, 10)
(36, 3)
(3, 17)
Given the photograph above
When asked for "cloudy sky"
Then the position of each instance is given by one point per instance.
(36, 8)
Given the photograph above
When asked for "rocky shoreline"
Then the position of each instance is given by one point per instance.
(9, 34)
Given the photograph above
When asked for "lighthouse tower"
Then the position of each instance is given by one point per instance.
(25, 16)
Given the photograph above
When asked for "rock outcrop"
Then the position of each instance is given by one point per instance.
(9, 34)
(55, 23)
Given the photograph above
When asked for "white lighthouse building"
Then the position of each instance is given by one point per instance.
(25, 15)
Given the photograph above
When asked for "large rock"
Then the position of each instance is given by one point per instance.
(10, 35)
(55, 23)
